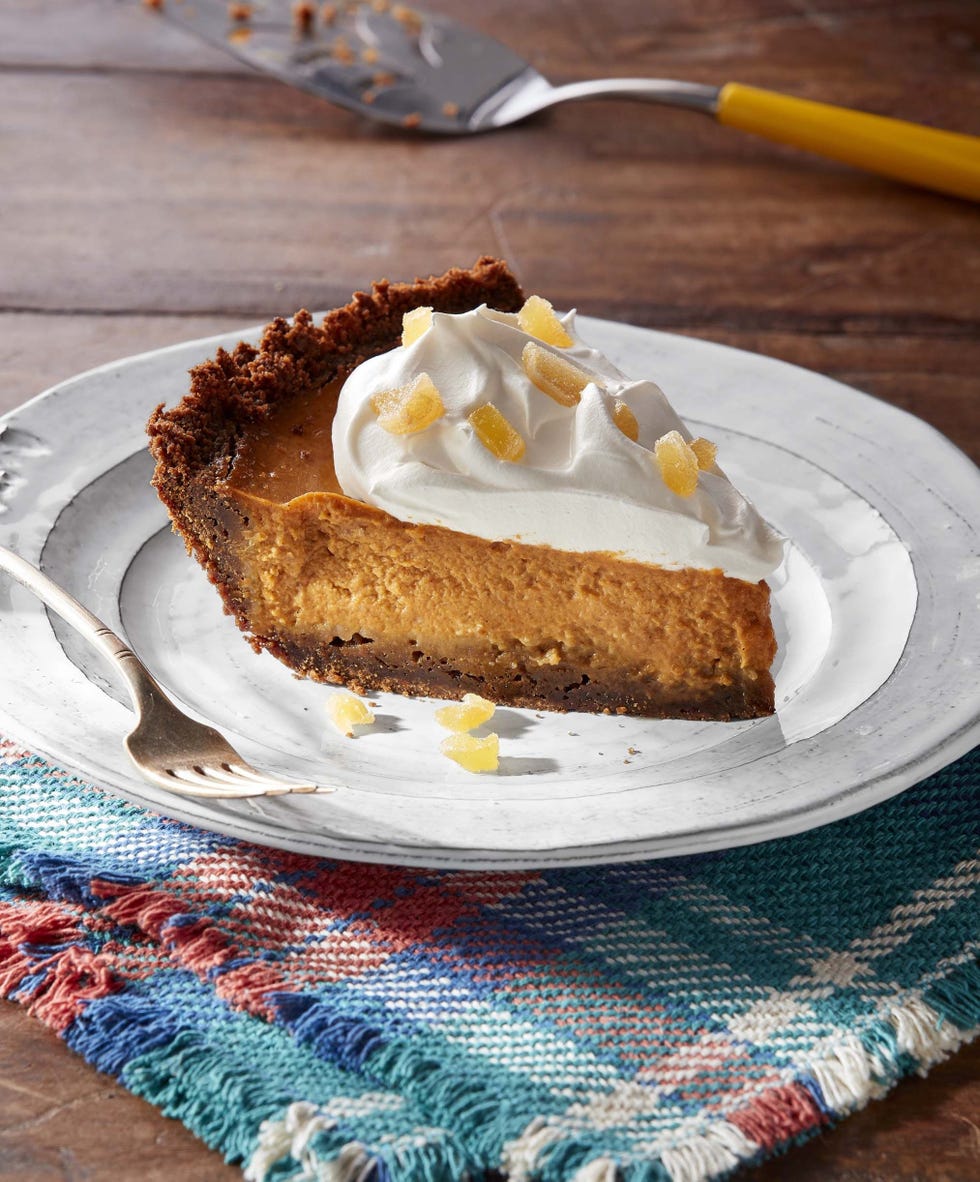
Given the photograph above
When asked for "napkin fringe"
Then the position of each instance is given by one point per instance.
(340, 1037)
(54, 980)
(60, 876)
(118, 1030)
(482, 1114)
(304, 1143)
(956, 997)
(217, 1096)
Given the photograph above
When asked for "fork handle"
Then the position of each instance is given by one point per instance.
(142, 686)
(941, 160)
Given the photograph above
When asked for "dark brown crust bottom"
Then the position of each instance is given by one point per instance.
(196, 444)
(370, 668)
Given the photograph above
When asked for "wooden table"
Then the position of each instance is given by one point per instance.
(153, 190)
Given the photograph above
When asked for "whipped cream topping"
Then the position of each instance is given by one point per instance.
(582, 485)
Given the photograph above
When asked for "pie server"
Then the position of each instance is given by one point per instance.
(396, 65)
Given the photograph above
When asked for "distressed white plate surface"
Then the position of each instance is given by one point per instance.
(876, 611)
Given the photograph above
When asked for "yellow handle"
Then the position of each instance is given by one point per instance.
(942, 160)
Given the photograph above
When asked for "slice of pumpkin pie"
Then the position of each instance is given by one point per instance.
(440, 490)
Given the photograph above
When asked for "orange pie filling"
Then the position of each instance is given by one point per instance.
(424, 604)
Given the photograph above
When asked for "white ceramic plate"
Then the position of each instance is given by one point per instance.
(875, 610)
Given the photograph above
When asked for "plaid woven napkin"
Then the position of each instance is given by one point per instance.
(318, 1019)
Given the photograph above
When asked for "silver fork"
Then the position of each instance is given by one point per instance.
(169, 749)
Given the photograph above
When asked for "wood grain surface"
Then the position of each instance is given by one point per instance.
(153, 190)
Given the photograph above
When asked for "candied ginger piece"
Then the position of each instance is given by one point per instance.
(625, 420)
(472, 712)
(346, 711)
(677, 462)
(408, 409)
(472, 754)
(342, 52)
(408, 18)
(706, 451)
(496, 433)
(553, 375)
(415, 324)
(538, 318)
